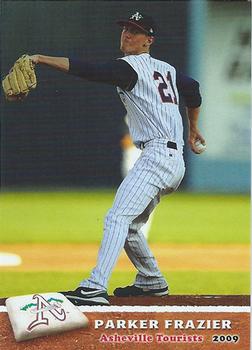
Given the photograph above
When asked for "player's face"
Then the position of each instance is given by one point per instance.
(134, 41)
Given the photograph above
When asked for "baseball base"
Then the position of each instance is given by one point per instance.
(37, 315)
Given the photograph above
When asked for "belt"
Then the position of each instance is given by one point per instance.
(169, 144)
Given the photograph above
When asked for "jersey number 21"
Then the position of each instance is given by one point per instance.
(166, 84)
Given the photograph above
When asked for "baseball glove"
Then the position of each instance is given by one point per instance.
(20, 80)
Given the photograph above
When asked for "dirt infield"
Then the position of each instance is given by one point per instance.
(48, 257)
(175, 330)
(179, 257)
(179, 300)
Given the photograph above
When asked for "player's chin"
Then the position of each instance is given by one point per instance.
(125, 49)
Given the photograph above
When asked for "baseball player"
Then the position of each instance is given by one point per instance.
(149, 89)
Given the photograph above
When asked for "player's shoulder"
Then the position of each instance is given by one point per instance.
(142, 59)
(138, 62)
(163, 63)
(135, 58)
(145, 61)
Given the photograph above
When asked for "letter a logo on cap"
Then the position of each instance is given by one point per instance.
(136, 16)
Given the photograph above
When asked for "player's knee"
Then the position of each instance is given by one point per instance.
(115, 217)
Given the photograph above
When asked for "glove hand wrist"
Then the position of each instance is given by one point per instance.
(35, 59)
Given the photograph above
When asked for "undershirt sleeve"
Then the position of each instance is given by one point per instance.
(189, 89)
(115, 72)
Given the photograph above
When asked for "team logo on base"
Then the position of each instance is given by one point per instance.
(43, 314)
(52, 305)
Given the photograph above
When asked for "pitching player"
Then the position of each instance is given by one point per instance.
(150, 90)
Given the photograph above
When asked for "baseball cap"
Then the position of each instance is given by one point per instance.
(143, 22)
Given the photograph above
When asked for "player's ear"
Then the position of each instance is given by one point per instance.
(151, 39)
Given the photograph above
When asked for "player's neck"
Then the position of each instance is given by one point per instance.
(136, 53)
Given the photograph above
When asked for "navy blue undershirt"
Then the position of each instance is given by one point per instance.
(120, 73)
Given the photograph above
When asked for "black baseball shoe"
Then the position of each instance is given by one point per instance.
(133, 291)
(87, 296)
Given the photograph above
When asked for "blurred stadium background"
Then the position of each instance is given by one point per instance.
(66, 135)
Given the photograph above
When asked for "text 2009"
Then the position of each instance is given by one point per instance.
(234, 338)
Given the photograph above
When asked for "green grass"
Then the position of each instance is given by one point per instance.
(183, 282)
(194, 218)
(53, 216)
(78, 217)
(56, 217)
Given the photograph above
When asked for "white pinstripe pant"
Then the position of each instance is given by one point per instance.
(158, 171)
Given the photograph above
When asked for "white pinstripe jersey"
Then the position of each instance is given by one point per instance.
(152, 105)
